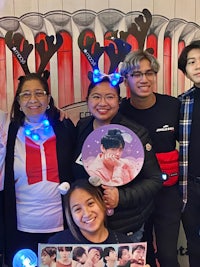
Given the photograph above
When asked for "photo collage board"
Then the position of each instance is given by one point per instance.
(92, 255)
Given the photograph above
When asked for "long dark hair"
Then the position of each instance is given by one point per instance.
(17, 115)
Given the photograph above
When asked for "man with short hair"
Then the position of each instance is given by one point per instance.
(64, 259)
(109, 257)
(159, 114)
(80, 255)
(124, 256)
(138, 256)
(189, 63)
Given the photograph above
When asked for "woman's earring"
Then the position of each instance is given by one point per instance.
(48, 107)
(20, 108)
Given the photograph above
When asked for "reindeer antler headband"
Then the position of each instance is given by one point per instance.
(93, 51)
(22, 49)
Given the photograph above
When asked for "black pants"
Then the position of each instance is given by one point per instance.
(191, 222)
(166, 222)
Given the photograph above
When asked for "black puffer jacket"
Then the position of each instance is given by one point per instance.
(136, 197)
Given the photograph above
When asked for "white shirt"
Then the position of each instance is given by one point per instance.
(38, 200)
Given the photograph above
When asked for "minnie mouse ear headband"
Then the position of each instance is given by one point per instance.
(116, 51)
(21, 49)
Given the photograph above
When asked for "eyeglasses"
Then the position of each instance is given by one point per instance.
(98, 98)
(27, 94)
(149, 74)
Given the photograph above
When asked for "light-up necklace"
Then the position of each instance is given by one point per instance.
(32, 131)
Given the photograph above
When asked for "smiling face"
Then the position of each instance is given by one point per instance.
(103, 102)
(87, 213)
(138, 254)
(141, 87)
(34, 106)
(193, 66)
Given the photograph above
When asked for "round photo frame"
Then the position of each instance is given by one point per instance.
(112, 155)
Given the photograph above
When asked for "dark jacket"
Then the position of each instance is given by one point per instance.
(65, 134)
(136, 197)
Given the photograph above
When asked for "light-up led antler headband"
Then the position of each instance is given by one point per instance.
(116, 51)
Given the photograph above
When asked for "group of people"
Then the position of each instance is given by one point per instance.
(41, 150)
